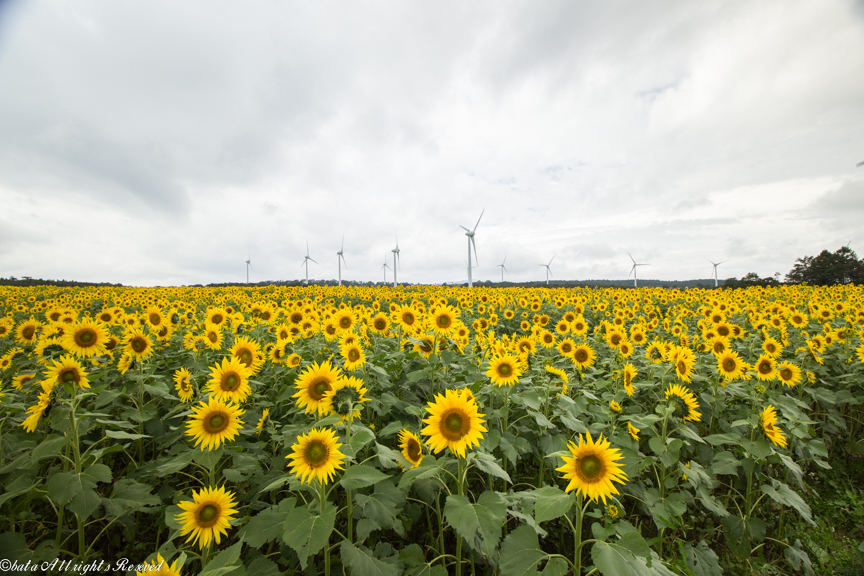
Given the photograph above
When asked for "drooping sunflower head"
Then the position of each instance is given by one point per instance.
(504, 370)
(685, 403)
(769, 427)
(311, 385)
(454, 423)
(592, 468)
(207, 518)
(633, 431)
(346, 396)
(183, 384)
(411, 447)
(316, 456)
(213, 423)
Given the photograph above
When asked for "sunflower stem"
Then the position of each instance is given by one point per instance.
(460, 485)
(350, 506)
(322, 499)
(577, 536)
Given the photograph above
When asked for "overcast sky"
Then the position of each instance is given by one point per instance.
(157, 143)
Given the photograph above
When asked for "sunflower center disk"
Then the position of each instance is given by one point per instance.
(217, 319)
(138, 345)
(231, 382)
(212, 337)
(443, 322)
(315, 454)
(28, 332)
(454, 426)
(786, 374)
(765, 368)
(86, 337)
(591, 468)
(353, 355)
(682, 367)
(581, 356)
(246, 357)
(318, 388)
(413, 450)
(155, 319)
(216, 423)
(505, 370)
(729, 365)
(208, 515)
(69, 376)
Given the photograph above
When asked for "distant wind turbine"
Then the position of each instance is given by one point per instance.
(384, 267)
(341, 259)
(248, 265)
(306, 262)
(715, 269)
(548, 270)
(633, 270)
(503, 269)
(470, 235)
(396, 260)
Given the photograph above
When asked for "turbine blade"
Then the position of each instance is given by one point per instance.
(463, 228)
(633, 269)
(343, 261)
(343, 244)
(474, 244)
(550, 260)
(631, 257)
(313, 260)
(505, 269)
(478, 219)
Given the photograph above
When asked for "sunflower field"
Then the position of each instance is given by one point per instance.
(424, 430)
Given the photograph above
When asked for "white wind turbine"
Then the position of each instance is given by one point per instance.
(548, 270)
(395, 260)
(248, 265)
(341, 259)
(503, 269)
(306, 262)
(470, 235)
(715, 264)
(633, 270)
(385, 267)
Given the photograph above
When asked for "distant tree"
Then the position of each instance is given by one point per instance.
(750, 279)
(840, 267)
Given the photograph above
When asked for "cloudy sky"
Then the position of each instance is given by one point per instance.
(157, 143)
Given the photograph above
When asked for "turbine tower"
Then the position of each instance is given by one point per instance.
(341, 259)
(248, 265)
(503, 269)
(470, 235)
(715, 270)
(384, 267)
(633, 270)
(395, 261)
(548, 270)
(306, 262)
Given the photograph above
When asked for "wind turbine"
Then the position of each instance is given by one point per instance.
(503, 269)
(395, 260)
(248, 265)
(548, 270)
(306, 262)
(341, 259)
(633, 270)
(470, 235)
(715, 270)
(384, 267)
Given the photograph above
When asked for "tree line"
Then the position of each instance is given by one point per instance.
(825, 269)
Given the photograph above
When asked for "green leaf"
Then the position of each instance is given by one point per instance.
(363, 563)
(784, 495)
(49, 447)
(556, 567)
(551, 503)
(390, 458)
(479, 524)
(382, 507)
(130, 496)
(725, 463)
(267, 525)
(174, 465)
(427, 469)
(360, 438)
(702, 561)
(225, 562)
(521, 554)
(361, 476)
(489, 464)
(120, 435)
(391, 428)
(718, 439)
(799, 559)
(307, 534)
(614, 560)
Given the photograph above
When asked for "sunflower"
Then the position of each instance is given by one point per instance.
(159, 567)
(411, 447)
(380, 323)
(656, 353)
(125, 363)
(629, 374)
(625, 348)
(444, 320)
(260, 425)
(138, 344)
(557, 377)
(407, 317)
(592, 468)
(216, 317)
(789, 374)
(525, 345)
(230, 381)
(19, 380)
(183, 384)
(354, 357)
(37, 410)
(566, 346)
(85, 338)
(213, 337)
(424, 345)
(345, 397)
(27, 331)
(684, 361)
(311, 385)
(454, 423)
(316, 455)
(292, 360)
(213, 423)
(730, 365)
(248, 352)
(504, 370)
(583, 356)
(633, 431)
(766, 367)
(208, 516)
(67, 370)
(769, 421)
(685, 403)
(614, 406)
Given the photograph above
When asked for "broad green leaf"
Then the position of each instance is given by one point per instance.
(702, 561)
(49, 447)
(718, 439)
(361, 476)
(521, 554)
(226, 562)
(382, 507)
(556, 567)
(306, 533)
(267, 525)
(798, 558)
(551, 503)
(363, 563)
(130, 496)
(479, 524)
(489, 464)
(784, 495)
(120, 435)
(390, 458)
